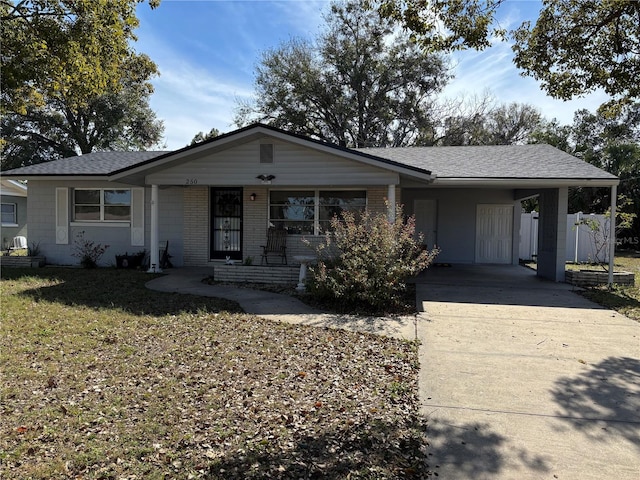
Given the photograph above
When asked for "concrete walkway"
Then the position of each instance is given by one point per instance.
(524, 379)
(520, 378)
(278, 307)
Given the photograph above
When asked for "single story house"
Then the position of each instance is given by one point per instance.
(13, 199)
(215, 200)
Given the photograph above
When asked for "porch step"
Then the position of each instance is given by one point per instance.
(275, 274)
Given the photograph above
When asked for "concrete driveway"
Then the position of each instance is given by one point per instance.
(523, 379)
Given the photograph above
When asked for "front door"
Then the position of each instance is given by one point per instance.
(494, 233)
(226, 223)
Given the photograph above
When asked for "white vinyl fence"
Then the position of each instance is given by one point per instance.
(582, 243)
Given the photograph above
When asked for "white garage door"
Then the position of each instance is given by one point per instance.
(494, 233)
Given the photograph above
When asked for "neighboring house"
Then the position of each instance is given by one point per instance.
(13, 197)
(216, 199)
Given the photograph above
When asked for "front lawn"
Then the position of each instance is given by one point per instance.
(102, 378)
(623, 299)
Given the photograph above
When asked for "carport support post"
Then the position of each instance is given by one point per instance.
(612, 232)
(552, 233)
(391, 199)
(154, 256)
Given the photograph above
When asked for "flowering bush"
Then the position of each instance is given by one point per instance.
(366, 260)
(88, 251)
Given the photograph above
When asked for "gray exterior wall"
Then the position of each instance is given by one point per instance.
(183, 221)
(42, 216)
(171, 221)
(456, 218)
(10, 231)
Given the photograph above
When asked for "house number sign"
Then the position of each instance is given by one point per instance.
(191, 181)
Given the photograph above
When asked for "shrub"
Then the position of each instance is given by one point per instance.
(34, 249)
(88, 251)
(366, 261)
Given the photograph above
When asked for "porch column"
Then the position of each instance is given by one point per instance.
(552, 233)
(391, 199)
(612, 233)
(154, 256)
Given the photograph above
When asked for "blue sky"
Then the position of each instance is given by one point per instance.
(206, 51)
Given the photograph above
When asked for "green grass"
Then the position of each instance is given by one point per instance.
(102, 378)
(623, 299)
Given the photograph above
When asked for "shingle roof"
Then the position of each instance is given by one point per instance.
(96, 163)
(494, 162)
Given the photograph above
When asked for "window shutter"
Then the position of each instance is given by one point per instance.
(62, 216)
(137, 217)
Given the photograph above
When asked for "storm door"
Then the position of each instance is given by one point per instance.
(226, 223)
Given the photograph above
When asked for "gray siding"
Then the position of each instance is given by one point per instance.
(9, 231)
(292, 165)
(456, 218)
(170, 221)
(41, 213)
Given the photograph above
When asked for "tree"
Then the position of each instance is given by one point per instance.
(71, 81)
(201, 136)
(552, 133)
(577, 46)
(358, 85)
(613, 144)
(114, 121)
(574, 47)
(480, 121)
(444, 25)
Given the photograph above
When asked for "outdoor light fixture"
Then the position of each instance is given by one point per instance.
(266, 178)
(252, 197)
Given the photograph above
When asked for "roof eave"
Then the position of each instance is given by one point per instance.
(525, 182)
(61, 176)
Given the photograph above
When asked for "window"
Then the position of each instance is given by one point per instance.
(101, 205)
(9, 214)
(309, 212)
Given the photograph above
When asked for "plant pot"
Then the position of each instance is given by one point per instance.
(37, 262)
(129, 261)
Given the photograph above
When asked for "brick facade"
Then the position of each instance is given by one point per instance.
(196, 226)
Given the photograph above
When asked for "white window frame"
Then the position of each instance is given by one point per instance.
(101, 221)
(15, 215)
(316, 203)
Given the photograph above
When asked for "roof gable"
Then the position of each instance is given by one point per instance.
(292, 164)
